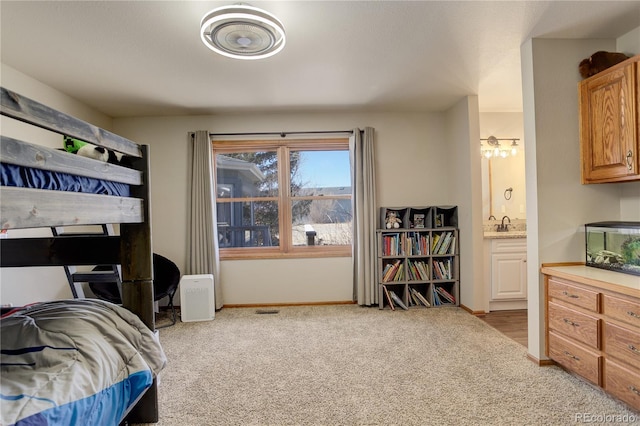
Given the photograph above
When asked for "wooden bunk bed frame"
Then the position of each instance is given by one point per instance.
(22, 208)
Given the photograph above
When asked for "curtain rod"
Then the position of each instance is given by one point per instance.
(281, 134)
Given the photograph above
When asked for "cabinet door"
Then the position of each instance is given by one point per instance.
(608, 126)
(508, 276)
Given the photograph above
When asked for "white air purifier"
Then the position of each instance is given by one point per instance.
(197, 298)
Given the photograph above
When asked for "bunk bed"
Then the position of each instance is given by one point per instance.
(57, 204)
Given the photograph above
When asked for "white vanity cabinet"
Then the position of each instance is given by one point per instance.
(507, 273)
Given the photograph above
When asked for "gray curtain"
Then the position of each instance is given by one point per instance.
(365, 286)
(203, 255)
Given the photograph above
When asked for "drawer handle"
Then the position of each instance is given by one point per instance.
(570, 322)
(573, 296)
(634, 390)
(570, 355)
(633, 349)
(633, 314)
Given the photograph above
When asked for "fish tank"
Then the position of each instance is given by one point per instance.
(614, 246)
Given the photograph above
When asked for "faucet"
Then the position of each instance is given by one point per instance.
(492, 217)
(503, 227)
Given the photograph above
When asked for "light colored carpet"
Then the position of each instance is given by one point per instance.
(350, 365)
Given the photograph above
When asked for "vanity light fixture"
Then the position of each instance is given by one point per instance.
(241, 31)
(495, 149)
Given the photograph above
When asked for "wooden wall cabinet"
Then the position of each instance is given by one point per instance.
(609, 124)
(594, 332)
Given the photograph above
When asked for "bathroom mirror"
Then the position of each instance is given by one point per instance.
(503, 187)
(503, 179)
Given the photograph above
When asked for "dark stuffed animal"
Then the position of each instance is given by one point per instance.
(600, 61)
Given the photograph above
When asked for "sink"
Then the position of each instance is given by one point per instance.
(505, 234)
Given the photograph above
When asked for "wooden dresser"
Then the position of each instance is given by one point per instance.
(593, 327)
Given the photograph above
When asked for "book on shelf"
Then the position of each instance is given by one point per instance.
(413, 301)
(445, 295)
(434, 242)
(392, 270)
(392, 244)
(418, 220)
(411, 271)
(417, 244)
(445, 243)
(440, 243)
(417, 270)
(436, 298)
(388, 296)
(424, 244)
(397, 300)
(424, 270)
(418, 296)
(442, 269)
(436, 270)
(452, 246)
(399, 276)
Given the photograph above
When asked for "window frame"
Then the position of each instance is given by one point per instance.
(286, 249)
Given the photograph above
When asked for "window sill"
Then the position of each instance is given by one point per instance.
(301, 253)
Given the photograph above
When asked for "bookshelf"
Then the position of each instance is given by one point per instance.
(418, 258)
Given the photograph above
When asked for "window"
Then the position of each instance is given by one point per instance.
(283, 198)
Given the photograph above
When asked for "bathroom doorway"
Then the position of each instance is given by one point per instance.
(504, 211)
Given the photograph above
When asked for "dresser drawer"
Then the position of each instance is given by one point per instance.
(622, 383)
(582, 327)
(576, 358)
(623, 310)
(586, 299)
(623, 344)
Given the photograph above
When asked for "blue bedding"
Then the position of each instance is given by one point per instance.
(27, 177)
(74, 362)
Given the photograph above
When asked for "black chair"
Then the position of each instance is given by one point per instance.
(166, 277)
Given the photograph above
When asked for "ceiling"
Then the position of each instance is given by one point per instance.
(145, 58)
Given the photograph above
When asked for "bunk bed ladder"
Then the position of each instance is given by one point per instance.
(109, 274)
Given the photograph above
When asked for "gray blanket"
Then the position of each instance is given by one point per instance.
(80, 361)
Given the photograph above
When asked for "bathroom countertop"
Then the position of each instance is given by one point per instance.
(508, 234)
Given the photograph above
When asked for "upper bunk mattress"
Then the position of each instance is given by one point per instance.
(79, 361)
(27, 177)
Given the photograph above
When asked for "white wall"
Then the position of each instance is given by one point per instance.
(630, 192)
(410, 148)
(463, 133)
(505, 172)
(629, 43)
(38, 284)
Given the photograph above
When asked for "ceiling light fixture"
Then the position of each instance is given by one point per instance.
(495, 149)
(241, 31)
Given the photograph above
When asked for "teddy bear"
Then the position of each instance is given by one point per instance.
(392, 220)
